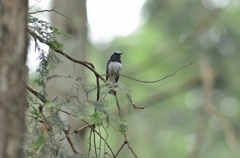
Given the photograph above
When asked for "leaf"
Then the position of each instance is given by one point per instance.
(122, 128)
(96, 118)
(39, 142)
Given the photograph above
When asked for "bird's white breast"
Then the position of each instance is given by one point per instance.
(114, 68)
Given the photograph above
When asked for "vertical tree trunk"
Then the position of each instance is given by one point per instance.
(13, 50)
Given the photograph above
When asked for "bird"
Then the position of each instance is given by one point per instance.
(114, 67)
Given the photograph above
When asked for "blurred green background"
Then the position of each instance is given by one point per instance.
(194, 113)
(177, 121)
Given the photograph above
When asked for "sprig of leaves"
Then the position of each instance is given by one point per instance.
(42, 32)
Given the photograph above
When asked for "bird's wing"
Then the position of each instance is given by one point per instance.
(107, 70)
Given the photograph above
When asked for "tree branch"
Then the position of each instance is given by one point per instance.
(161, 78)
(99, 136)
(71, 143)
(37, 94)
(89, 65)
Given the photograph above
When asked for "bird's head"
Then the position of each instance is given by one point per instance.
(116, 56)
(117, 53)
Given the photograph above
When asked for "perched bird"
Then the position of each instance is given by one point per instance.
(114, 66)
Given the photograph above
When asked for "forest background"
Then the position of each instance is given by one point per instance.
(194, 113)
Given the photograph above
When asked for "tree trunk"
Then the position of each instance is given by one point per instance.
(13, 51)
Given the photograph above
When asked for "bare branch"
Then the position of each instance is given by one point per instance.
(118, 106)
(94, 143)
(89, 139)
(105, 153)
(70, 142)
(99, 136)
(161, 78)
(124, 143)
(133, 104)
(33, 5)
(84, 63)
(52, 10)
(75, 131)
(89, 65)
(125, 136)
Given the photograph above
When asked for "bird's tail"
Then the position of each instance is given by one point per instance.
(111, 91)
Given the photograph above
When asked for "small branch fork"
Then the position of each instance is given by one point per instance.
(125, 136)
(67, 133)
(133, 104)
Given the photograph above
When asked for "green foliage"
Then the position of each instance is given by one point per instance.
(122, 126)
(43, 71)
(46, 32)
(42, 32)
(45, 126)
(37, 144)
(96, 118)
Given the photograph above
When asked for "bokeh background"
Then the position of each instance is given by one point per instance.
(194, 113)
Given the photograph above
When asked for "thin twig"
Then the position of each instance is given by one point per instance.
(85, 90)
(52, 10)
(36, 118)
(70, 142)
(161, 78)
(42, 98)
(89, 65)
(80, 143)
(33, 5)
(84, 63)
(75, 131)
(131, 150)
(124, 143)
(94, 143)
(118, 106)
(89, 140)
(105, 153)
(133, 104)
(99, 136)
(70, 114)
(125, 136)
(100, 142)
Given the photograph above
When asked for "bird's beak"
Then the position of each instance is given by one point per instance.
(121, 53)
